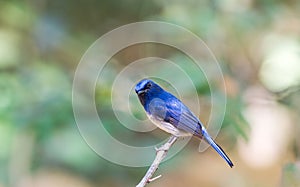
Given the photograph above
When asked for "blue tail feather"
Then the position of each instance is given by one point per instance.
(211, 142)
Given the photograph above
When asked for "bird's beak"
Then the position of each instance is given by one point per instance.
(140, 92)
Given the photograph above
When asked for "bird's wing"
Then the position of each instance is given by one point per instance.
(169, 109)
(181, 117)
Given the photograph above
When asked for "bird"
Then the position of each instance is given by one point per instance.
(168, 113)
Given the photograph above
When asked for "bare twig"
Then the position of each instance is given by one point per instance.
(161, 153)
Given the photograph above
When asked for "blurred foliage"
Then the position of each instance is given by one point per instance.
(41, 43)
(291, 175)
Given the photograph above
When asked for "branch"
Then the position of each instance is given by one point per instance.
(161, 153)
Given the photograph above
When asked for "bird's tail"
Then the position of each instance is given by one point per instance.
(211, 142)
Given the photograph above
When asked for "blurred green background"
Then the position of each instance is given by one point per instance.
(257, 43)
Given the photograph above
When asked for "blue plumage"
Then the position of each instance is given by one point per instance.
(171, 115)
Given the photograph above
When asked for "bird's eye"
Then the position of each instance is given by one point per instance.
(148, 85)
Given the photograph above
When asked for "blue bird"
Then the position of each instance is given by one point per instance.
(171, 115)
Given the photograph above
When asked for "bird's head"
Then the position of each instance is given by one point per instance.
(143, 86)
(146, 86)
(147, 90)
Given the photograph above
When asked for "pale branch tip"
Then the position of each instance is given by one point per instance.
(161, 153)
(154, 178)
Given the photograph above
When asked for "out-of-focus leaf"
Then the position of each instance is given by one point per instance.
(291, 175)
(234, 119)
